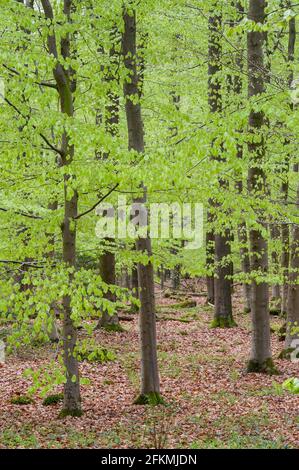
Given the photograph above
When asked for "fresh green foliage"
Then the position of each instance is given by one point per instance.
(88, 350)
(21, 400)
(292, 385)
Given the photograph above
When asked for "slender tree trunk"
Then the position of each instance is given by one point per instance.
(245, 264)
(210, 259)
(293, 293)
(222, 282)
(53, 331)
(236, 84)
(150, 384)
(107, 260)
(285, 233)
(66, 86)
(275, 297)
(261, 356)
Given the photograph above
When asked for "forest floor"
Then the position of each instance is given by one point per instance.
(211, 402)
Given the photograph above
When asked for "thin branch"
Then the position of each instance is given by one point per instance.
(97, 203)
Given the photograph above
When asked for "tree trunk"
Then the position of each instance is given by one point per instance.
(275, 297)
(210, 259)
(261, 356)
(150, 384)
(66, 87)
(222, 282)
(236, 85)
(293, 292)
(107, 271)
(285, 233)
(107, 261)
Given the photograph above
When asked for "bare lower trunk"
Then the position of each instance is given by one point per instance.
(223, 301)
(261, 356)
(285, 260)
(149, 363)
(245, 265)
(72, 398)
(275, 297)
(293, 293)
(107, 271)
(210, 261)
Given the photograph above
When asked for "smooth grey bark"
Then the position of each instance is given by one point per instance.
(107, 259)
(275, 295)
(66, 86)
(293, 291)
(236, 84)
(222, 238)
(210, 258)
(285, 233)
(261, 355)
(150, 383)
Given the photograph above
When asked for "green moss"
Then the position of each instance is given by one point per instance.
(53, 399)
(21, 400)
(223, 322)
(266, 367)
(73, 413)
(117, 328)
(184, 304)
(151, 398)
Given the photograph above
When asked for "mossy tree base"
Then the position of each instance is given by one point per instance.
(152, 399)
(222, 322)
(266, 367)
(73, 413)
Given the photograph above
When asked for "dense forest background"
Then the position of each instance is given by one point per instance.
(149, 340)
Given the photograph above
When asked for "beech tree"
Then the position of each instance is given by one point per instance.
(150, 383)
(261, 356)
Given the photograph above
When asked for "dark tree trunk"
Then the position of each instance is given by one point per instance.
(261, 356)
(223, 269)
(107, 271)
(150, 384)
